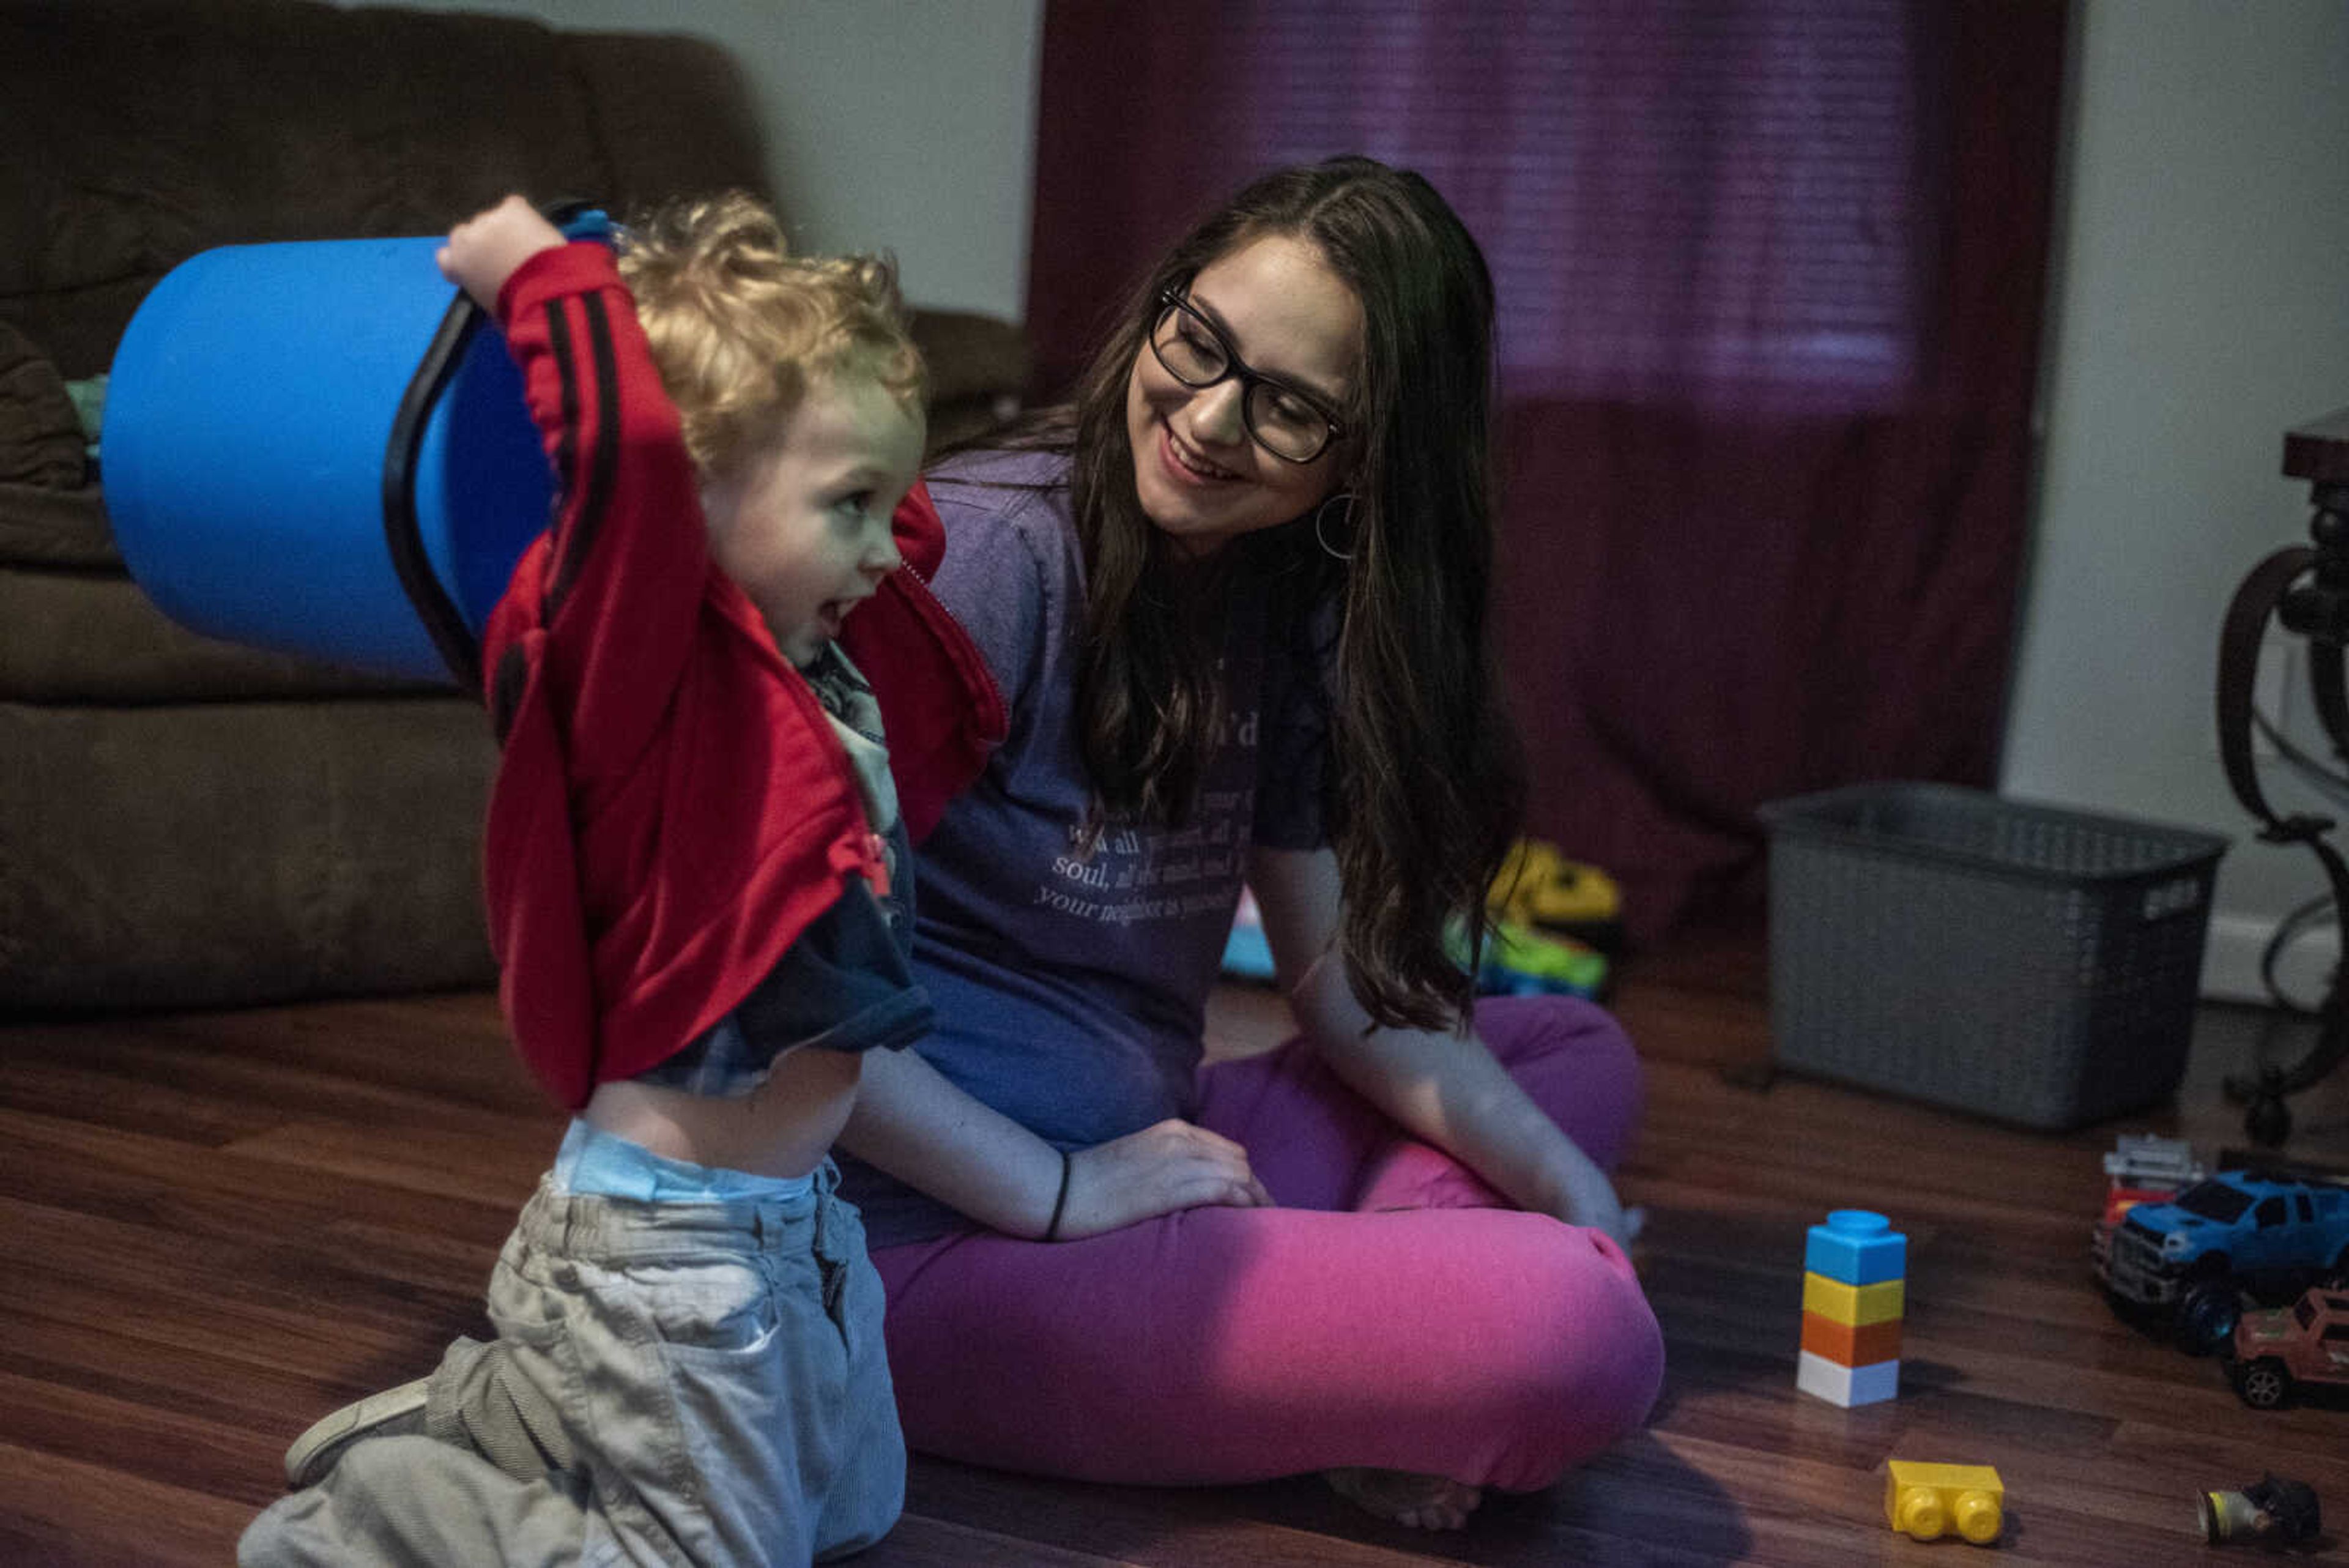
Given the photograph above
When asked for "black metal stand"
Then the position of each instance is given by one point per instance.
(2307, 590)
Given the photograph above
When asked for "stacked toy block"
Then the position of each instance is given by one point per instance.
(1854, 1281)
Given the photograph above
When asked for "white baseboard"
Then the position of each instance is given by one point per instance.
(2230, 962)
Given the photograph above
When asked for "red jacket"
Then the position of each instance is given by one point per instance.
(673, 808)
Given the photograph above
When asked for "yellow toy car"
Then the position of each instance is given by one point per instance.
(1538, 887)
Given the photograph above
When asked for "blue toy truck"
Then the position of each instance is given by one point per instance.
(2193, 1258)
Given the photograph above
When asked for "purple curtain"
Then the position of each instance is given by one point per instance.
(1769, 278)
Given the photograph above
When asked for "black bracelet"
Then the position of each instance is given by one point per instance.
(1052, 1232)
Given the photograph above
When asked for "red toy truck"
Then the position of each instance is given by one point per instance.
(2276, 1351)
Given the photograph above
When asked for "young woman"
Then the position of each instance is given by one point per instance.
(1236, 600)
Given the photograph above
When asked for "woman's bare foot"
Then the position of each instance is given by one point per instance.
(1406, 1497)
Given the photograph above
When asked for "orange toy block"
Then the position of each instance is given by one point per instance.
(1851, 1344)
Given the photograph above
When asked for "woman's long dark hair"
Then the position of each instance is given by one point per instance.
(1426, 785)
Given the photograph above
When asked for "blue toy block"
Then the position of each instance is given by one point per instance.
(1855, 1246)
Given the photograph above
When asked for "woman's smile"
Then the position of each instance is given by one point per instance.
(1189, 464)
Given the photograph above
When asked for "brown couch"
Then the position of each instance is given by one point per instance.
(185, 823)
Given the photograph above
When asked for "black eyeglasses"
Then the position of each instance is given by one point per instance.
(1290, 425)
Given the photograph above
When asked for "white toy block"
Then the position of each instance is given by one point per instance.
(1846, 1386)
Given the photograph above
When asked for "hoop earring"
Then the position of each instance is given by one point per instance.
(1322, 539)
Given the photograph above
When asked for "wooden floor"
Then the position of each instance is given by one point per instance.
(217, 1227)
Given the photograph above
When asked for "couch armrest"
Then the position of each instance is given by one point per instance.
(979, 371)
(971, 355)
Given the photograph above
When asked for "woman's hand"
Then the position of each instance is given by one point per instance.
(490, 247)
(914, 1123)
(1583, 1196)
(1440, 1088)
(1159, 1170)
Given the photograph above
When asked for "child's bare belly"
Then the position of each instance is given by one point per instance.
(783, 1128)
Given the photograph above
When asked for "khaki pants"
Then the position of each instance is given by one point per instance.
(671, 1383)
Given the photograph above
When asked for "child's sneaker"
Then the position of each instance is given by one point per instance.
(393, 1412)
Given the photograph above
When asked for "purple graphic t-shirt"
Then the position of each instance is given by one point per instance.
(1069, 977)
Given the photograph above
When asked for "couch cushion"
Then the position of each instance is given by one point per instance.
(41, 441)
(656, 149)
(55, 528)
(241, 852)
(71, 636)
(163, 130)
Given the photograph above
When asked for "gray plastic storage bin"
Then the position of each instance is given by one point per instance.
(2020, 962)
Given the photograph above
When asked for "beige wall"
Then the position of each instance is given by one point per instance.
(2201, 309)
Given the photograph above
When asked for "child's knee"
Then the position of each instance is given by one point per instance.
(864, 1501)
(868, 1480)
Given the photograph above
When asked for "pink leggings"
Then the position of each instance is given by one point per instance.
(1392, 1312)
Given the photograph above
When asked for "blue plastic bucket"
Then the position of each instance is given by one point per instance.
(322, 448)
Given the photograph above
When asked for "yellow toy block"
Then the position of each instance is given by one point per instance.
(1924, 1501)
(1855, 1305)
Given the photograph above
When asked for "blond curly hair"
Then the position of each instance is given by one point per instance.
(740, 329)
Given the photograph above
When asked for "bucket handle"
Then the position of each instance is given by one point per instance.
(443, 621)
